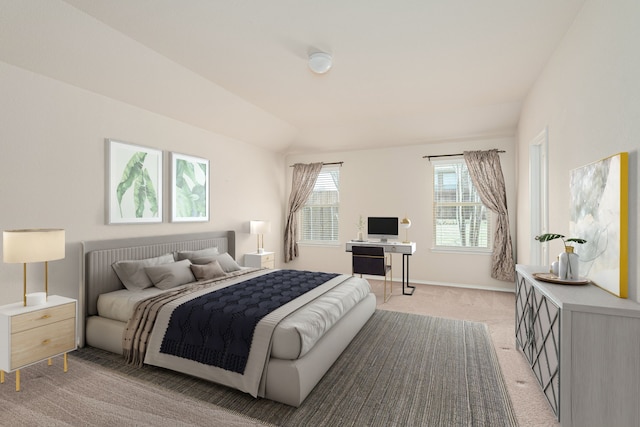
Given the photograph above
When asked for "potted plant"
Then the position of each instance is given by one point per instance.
(568, 268)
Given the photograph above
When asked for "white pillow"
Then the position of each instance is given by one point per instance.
(227, 263)
(208, 271)
(132, 273)
(180, 255)
(167, 276)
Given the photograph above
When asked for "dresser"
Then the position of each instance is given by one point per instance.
(35, 333)
(260, 260)
(583, 346)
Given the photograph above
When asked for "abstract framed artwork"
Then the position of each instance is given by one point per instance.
(599, 213)
(189, 188)
(134, 183)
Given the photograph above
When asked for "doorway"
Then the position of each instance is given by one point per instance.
(539, 196)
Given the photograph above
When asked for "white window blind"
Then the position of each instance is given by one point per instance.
(319, 218)
(461, 221)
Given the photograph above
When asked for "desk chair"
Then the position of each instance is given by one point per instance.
(371, 260)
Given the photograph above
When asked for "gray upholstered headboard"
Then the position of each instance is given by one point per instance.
(99, 255)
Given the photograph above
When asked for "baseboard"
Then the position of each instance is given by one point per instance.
(447, 284)
(461, 285)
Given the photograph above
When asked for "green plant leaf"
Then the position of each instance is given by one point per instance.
(184, 202)
(139, 195)
(198, 195)
(151, 193)
(549, 236)
(131, 173)
(576, 240)
(184, 169)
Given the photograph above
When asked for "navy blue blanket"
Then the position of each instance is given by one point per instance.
(217, 328)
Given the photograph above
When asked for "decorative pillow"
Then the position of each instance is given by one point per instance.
(167, 276)
(132, 273)
(180, 255)
(227, 263)
(207, 271)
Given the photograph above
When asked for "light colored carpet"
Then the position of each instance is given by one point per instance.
(497, 310)
(401, 369)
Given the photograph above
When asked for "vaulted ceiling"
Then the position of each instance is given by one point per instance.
(404, 71)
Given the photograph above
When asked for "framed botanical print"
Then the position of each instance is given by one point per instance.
(134, 183)
(189, 188)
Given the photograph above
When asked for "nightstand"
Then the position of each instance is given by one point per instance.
(263, 260)
(34, 333)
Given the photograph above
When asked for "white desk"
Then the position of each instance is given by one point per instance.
(406, 249)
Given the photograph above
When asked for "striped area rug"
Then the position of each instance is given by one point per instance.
(400, 370)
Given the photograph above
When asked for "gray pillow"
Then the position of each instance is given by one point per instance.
(132, 273)
(180, 255)
(227, 263)
(208, 271)
(167, 276)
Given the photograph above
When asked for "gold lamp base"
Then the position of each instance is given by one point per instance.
(36, 298)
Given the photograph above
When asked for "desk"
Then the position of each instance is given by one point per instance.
(406, 249)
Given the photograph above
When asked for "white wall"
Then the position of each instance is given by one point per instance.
(589, 97)
(52, 169)
(398, 182)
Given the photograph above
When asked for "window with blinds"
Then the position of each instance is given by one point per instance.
(461, 221)
(319, 218)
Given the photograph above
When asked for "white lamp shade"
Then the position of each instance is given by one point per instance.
(32, 245)
(259, 227)
(405, 223)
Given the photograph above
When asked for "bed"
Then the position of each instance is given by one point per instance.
(291, 349)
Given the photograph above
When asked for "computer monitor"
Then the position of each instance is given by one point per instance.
(383, 228)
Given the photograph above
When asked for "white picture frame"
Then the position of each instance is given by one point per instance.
(189, 188)
(134, 183)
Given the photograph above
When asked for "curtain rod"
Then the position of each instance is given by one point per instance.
(325, 164)
(452, 155)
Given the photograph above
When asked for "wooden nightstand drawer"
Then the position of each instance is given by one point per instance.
(43, 342)
(36, 319)
(260, 260)
(268, 260)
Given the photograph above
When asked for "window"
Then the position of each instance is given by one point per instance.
(460, 220)
(319, 218)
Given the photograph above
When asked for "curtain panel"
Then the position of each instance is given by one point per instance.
(486, 174)
(302, 183)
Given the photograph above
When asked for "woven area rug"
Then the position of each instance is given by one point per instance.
(401, 370)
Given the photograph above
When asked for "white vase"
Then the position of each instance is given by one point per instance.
(360, 236)
(568, 265)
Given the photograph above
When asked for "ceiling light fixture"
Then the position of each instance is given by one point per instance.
(320, 62)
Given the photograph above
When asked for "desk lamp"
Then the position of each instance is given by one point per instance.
(406, 223)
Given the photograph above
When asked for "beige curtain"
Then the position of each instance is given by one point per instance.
(486, 174)
(302, 183)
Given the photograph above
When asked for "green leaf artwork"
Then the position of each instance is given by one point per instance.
(144, 193)
(190, 188)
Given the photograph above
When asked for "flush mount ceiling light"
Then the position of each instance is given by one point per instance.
(320, 62)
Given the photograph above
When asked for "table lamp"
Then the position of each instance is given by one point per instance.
(33, 245)
(260, 228)
(406, 223)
